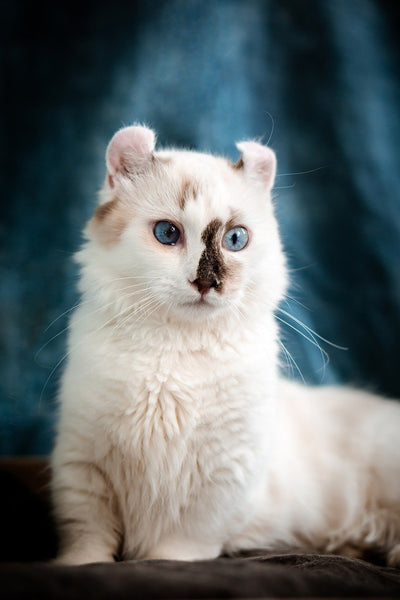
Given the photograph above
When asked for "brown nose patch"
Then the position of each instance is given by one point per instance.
(211, 265)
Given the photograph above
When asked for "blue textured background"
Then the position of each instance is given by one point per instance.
(320, 78)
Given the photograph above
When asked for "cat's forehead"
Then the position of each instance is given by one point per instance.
(196, 166)
(204, 185)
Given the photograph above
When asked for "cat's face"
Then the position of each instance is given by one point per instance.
(188, 234)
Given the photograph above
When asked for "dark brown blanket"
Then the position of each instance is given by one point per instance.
(28, 540)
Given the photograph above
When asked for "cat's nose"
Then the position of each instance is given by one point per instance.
(204, 285)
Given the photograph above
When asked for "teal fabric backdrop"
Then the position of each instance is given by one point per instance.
(319, 80)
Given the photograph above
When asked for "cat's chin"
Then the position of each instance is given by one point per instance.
(200, 308)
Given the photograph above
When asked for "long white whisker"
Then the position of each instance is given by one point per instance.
(303, 172)
(146, 311)
(293, 299)
(146, 277)
(66, 354)
(272, 128)
(99, 309)
(284, 187)
(301, 268)
(309, 339)
(78, 304)
(237, 310)
(289, 364)
(151, 310)
(135, 310)
(311, 331)
(290, 356)
(65, 313)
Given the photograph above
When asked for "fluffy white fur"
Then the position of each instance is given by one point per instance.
(177, 439)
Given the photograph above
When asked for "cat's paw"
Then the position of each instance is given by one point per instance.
(74, 558)
(393, 557)
(179, 549)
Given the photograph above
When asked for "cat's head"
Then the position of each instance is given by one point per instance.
(185, 234)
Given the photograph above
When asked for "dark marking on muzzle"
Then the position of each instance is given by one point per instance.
(211, 267)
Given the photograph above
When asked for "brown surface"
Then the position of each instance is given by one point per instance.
(27, 535)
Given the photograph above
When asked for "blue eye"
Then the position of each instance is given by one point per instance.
(236, 239)
(166, 233)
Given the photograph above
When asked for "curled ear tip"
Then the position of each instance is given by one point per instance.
(257, 160)
(253, 147)
(134, 132)
(140, 129)
(242, 145)
(254, 152)
(131, 144)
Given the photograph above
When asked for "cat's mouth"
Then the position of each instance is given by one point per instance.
(199, 302)
(202, 301)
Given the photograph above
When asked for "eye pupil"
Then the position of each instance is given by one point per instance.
(166, 233)
(236, 239)
(170, 232)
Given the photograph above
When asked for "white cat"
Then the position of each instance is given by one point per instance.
(177, 439)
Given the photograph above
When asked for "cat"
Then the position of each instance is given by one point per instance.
(178, 438)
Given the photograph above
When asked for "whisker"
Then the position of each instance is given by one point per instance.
(84, 317)
(148, 276)
(144, 312)
(82, 303)
(285, 187)
(292, 360)
(134, 311)
(238, 310)
(67, 354)
(272, 127)
(311, 331)
(303, 172)
(288, 358)
(309, 339)
(149, 312)
(293, 299)
(65, 313)
(302, 268)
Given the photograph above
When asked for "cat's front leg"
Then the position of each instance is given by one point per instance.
(86, 514)
(393, 557)
(84, 551)
(177, 547)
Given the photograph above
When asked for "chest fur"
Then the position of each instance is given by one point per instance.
(181, 429)
(182, 455)
(164, 395)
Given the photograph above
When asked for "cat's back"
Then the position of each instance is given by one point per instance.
(347, 437)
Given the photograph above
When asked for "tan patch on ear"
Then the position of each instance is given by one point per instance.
(239, 164)
(109, 221)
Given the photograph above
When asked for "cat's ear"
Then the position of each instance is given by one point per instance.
(129, 151)
(258, 162)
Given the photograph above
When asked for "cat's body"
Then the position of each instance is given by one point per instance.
(177, 438)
